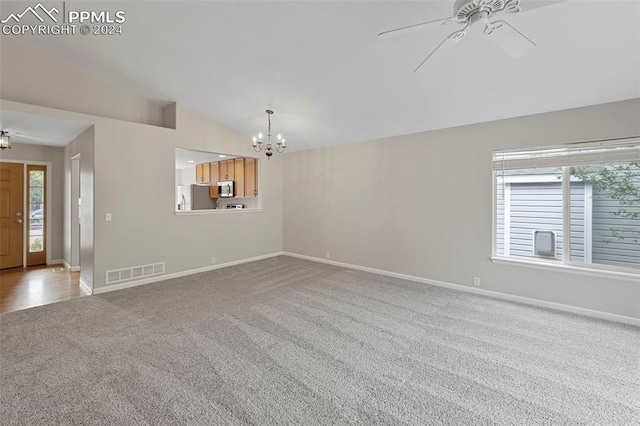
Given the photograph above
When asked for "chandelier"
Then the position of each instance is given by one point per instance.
(259, 145)
(4, 140)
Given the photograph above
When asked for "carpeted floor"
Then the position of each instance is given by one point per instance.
(288, 341)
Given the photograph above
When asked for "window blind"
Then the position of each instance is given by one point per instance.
(601, 152)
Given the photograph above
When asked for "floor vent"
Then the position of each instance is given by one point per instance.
(135, 272)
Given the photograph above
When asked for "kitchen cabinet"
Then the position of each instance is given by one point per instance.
(250, 178)
(202, 173)
(213, 179)
(243, 171)
(238, 170)
(226, 170)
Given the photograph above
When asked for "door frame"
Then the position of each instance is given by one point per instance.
(25, 183)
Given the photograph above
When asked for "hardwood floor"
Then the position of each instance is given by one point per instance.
(22, 288)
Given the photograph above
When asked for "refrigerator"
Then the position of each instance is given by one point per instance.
(201, 199)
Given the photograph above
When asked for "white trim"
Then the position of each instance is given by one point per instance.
(494, 212)
(588, 223)
(157, 278)
(69, 267)
(506, 232)
(86, 286)
(535, 302)
(566, 216)
(57, 262)
(573, 268)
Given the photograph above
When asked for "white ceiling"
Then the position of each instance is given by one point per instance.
(39, 130)
(318, 64)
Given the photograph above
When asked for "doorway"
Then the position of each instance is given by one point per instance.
(23, 219)
(75, 213)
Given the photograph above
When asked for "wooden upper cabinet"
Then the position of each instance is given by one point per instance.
(241, 170)
(238, 171)
(213, 179)
(206, 173)
(250, 177)
(226, 170)
(202, 173)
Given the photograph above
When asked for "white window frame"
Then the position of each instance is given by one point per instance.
(555, 152)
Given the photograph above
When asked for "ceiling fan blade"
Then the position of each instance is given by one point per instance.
(444, 47)
(508, 38)
(518, 6)
(414, 28)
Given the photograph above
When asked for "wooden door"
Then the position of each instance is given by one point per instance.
(250, 178)
(11, 214)
(36, 216)
(238, 171)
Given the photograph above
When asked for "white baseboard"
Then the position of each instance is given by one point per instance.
(86, 286)
(164, 277)
(513, 298)
(69, 267)
(56, 262)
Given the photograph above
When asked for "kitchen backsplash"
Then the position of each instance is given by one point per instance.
(248, 203)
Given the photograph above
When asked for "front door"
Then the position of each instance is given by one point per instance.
(11, 214)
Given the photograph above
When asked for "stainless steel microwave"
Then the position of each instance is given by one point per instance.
(226, 189)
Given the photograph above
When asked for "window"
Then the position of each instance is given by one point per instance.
(36, 209)
(575, 205)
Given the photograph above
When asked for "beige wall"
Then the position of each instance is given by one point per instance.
(421, 205)
(133, 174)
(33, 76)
(54, 155)
(84, 145)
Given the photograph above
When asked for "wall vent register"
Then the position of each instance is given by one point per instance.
(134, 272)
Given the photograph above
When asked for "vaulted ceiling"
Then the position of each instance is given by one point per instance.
(319, 66)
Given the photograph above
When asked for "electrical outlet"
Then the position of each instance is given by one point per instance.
(327, 255)
(213, 260)
(476, 281)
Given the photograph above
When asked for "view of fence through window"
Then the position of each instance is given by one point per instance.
(604, 213)
(36, 211)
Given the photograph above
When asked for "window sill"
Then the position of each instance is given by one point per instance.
(215, 211)
(620, 275)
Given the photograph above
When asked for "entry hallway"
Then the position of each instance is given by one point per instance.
(22, 288)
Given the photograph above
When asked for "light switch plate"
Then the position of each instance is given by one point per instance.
(107, 217)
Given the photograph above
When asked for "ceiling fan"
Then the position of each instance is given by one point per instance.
(469, 12)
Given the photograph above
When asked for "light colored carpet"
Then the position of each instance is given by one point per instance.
(288, 341)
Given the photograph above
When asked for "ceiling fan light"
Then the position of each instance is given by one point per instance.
(5, 141)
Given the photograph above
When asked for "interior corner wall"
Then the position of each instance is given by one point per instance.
(54, 155)
(135, 181)
(83, 144)
(33, 76)
(421, 205)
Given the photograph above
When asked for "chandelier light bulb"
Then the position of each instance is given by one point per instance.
(268, 147)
